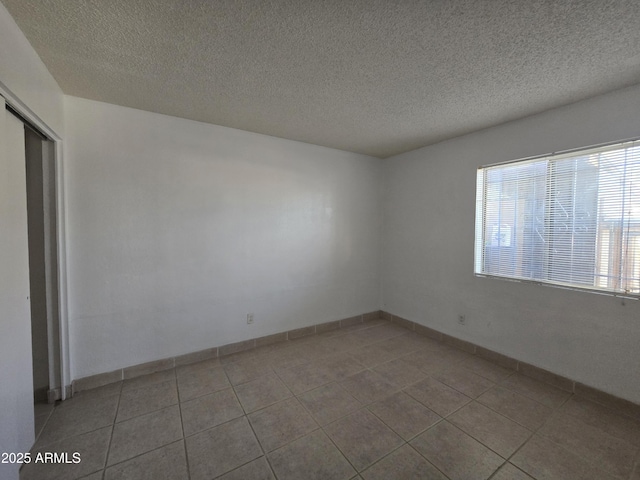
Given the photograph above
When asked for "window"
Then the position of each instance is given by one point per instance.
(570, 219)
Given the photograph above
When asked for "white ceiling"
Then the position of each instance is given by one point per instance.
(372, 76)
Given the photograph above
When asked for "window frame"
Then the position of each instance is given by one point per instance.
(479, 220)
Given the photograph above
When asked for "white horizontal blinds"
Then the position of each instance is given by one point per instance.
(618, 246)
(513, 220)
(571, 219)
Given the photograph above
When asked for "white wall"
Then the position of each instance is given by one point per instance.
(428, 252)
(178, 229)
(24, 77)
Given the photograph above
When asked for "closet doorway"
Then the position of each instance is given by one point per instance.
(42, 250)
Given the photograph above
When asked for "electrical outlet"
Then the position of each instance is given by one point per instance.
(462, 320)
(249, 318)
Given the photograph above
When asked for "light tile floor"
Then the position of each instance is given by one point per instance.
(371, 401)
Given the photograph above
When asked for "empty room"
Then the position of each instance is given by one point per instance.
(338, 240)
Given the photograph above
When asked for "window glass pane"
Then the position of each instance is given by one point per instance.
(514, 220)
(571, 219)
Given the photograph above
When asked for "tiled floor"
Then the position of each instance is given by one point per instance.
(372, 401)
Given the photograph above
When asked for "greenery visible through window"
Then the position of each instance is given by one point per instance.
(571, 219)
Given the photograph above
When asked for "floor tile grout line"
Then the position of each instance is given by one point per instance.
(291, 390)
(316, 428)
(503, 415)
(191, 435)
(58, 405)
(506, 459)
(264, 453)
(405, 442)
(322, 427)
(49, 444)
(443, 419)
(37, 436)
(427, 460)
(586, 459)
(457, 389)
(255, 435)
(506, 462)
(344, 454)
(153, 409)
(360, 404)
(113, 427)
(184, 438)
(534, 432)
(432, 378)
(245, 415)
(273, 470)
(398, 433)
(265, 406)
(143, 453)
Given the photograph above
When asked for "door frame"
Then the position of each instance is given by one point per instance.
(63, 390)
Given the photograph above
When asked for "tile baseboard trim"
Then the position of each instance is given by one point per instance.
(133, 371)
(55, 394)
(605, 399)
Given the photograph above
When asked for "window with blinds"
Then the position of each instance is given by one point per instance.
(569, 219)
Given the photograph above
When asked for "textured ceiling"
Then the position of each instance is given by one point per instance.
(372, 76)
